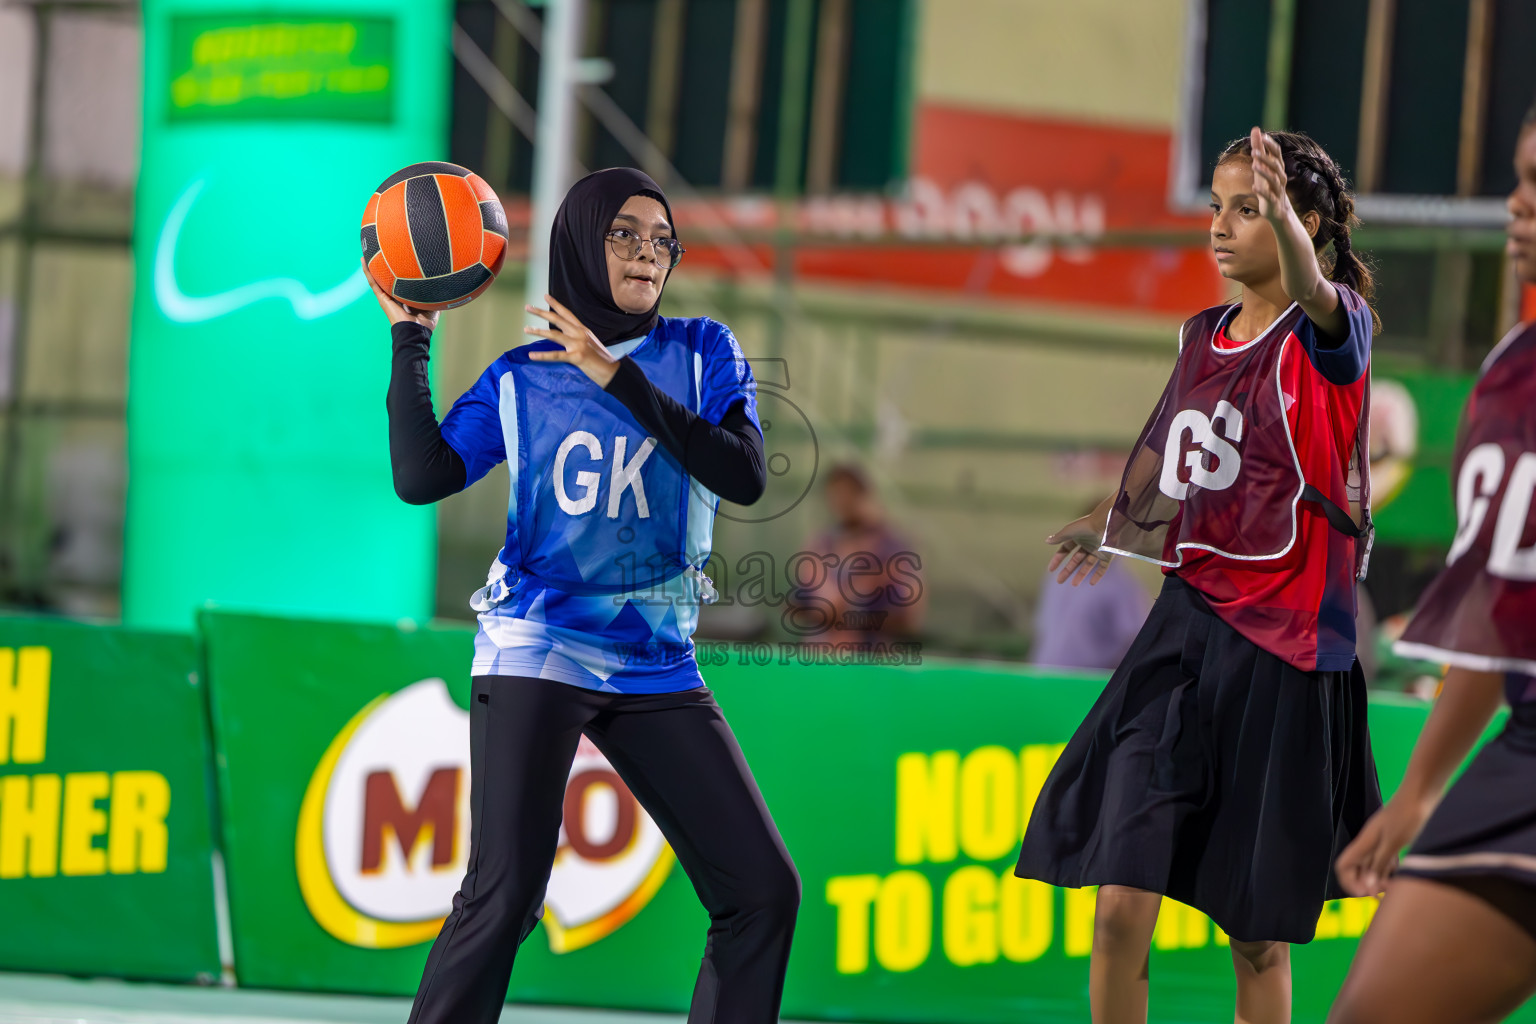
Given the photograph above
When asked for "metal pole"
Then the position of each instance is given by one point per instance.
(799, 25)
(552, 157)
(1377, 80)
(798, 38)
(1277, 82)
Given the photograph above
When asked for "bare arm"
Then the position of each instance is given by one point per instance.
(1077, 545)
(1465, 706)
(1300, 275)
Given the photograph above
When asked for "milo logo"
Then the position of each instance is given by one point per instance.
(383, 831)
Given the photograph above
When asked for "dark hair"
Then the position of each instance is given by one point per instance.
(850, 471)
(1315, 184)
(1529, 121)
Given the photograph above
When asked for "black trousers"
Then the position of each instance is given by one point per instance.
(677, 755)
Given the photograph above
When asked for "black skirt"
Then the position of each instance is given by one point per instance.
(1213, 772)
(1486, 824)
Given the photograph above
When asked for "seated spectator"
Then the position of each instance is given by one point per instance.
(866, 584)
(1089, 627)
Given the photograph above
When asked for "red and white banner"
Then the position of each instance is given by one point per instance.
(979, 182)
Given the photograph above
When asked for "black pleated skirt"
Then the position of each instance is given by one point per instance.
(1486, 824)
(1213, 772)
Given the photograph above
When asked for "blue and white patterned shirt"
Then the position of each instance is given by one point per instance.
(598, 583)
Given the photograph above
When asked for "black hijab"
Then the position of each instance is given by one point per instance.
(578, 251)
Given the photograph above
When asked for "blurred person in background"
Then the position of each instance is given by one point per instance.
(564, 650)
(1455, 936)
(1227, 761)
(1394, 440)
(861, 579)
(1088, 627)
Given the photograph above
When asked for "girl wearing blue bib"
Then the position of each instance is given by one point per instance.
(621, 430)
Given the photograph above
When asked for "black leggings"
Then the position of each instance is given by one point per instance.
(677, 755)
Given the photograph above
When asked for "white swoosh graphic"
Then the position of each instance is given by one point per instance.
(191, 309)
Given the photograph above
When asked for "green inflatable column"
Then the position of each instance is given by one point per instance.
(257, 438)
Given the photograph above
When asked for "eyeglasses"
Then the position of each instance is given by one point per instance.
(626, 245)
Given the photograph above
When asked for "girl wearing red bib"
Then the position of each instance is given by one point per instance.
(1227, 761)
(1455, 938)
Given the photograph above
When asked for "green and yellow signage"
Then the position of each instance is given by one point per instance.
(902, 795)
(341, 757)
(106, 846)
(260, 66)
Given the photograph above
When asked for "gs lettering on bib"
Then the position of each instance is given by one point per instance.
(1216, 467)
(1480, 612)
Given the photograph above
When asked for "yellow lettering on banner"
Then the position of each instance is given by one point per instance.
(24, 703)
(1345, 919)
(1180, 927)
(1078, 927)
(138, 839)
(970, 915)
(903, 921)
(29, 826)
(853, 895)
(1355, 915)
(989, 803)
(1024, 908)
(1328, 923)
(83, 822)
(925, 807)
(1035, 764)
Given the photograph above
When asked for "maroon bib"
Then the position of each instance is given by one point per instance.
(1480, 612)
(1215, 468)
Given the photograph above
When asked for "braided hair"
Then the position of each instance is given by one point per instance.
(1314, 183)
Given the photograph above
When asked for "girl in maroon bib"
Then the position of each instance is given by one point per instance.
(1227, 761)
(1455, 938)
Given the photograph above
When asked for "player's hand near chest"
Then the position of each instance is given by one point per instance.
(580, 346)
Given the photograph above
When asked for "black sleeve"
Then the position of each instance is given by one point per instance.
(727, 458)
(426, 467)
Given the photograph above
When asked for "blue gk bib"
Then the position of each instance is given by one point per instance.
(596, 506)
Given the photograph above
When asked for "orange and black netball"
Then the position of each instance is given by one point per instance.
(434, 235)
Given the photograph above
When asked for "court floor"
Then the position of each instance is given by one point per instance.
(44, 999)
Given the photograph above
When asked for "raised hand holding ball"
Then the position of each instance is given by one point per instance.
(434, 236)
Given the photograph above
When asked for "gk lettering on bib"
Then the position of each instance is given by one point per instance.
(602, 574)
(596, 506)
(625, 476)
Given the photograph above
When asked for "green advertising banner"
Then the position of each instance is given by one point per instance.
(1414, 419)
(291, 698)
(901, 792)
(257, 434)
(106, 847)
(226, 68)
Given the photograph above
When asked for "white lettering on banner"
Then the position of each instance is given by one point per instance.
(1475, 487)
(585, 479)
(1207, 441)
(1059, 224)
(626, 475)
(1507, 558)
